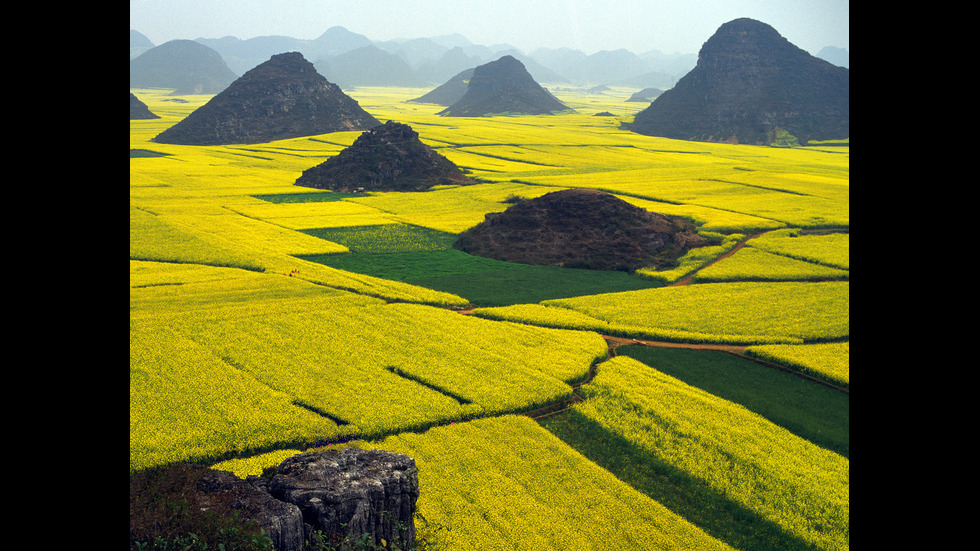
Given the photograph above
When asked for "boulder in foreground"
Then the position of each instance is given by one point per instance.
(344, 496)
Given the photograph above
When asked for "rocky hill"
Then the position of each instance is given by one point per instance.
(185, 65)
(503, 86)
(581, 228)
(646, 94)
(449, 92)
(138, 110)
(389, 157)
(749, 84)
(282, 98)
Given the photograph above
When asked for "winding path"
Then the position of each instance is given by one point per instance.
(687, 280)
(615, 342)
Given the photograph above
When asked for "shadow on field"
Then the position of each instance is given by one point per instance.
(811, 411)
(674, 489)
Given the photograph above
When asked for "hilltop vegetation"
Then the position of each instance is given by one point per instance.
(268, 318)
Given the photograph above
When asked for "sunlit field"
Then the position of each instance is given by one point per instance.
(785, 491)
(268, 318)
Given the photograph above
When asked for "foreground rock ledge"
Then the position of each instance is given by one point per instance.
(350, 492)
(343, 494)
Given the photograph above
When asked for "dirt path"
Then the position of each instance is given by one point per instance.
(687, 280)
(619, 341)
(615, 342)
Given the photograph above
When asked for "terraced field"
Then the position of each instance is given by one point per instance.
(266, 319)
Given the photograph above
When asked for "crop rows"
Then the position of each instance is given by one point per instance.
(786, 492)
(753, 264)
(828, 361)
(506, 483)
(368, 367)
(748, 312)
(266, 318)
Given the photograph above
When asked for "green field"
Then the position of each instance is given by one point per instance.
(266, 319)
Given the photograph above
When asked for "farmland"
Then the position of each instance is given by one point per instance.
(267, 319)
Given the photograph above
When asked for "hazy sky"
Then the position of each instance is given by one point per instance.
(588, 25)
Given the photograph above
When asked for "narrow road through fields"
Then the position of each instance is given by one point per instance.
(614, 342)
(687, 280)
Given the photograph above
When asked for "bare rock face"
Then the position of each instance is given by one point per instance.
(750, 84)
(389, 157)
(350, 492)
(581, 228)
(282, 98)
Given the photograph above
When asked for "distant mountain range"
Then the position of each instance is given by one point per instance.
(188, 66)
(350, 59)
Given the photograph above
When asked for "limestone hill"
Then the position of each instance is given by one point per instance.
(503, 86)
(185, 65)
(449, 92)
(138, 110)
(389, 157)
(749, 84)
(581, 228)
(281, 98)
(646, 94)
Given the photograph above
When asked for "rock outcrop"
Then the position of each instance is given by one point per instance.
(282, 521)
(749, 85)
(282, 98)
(351, 492)
(185, 65)
(503, 86)
(581, 228)
(341, 494)
(389, 157)
(138, 110)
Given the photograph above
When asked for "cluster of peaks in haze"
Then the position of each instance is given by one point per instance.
(749, 85)
(350, 59)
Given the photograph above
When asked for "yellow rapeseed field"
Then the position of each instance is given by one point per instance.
(243, 352)
(801, 487)
(366, 367)
(746, 312)
(506, 483)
